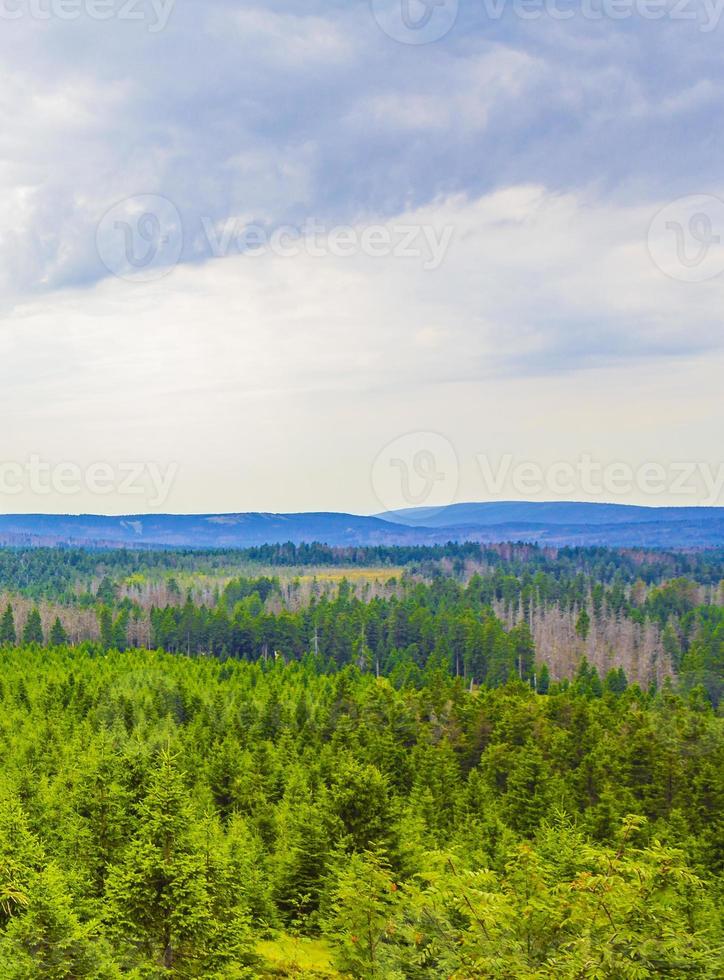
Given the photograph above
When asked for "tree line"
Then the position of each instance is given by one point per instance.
(66, 573)
(482, 631)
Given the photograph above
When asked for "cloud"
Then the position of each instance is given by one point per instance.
(532, 282)
(270, 112)
(274, 382)
(546, 147)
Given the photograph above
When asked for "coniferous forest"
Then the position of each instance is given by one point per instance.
(362, 545)
(458, 761)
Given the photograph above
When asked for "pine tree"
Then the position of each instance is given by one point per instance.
(303, 856)
(616, 681)
(58, 636)
(157, 896)
(583, 625)
(361, 907)
(360, 800)
(161, 897)
(594, 684)
(582, 680)
(105, 622)
(48, 940)
(500, 656)
(527, 792)
(106, 592)
(524, 647)
(21, 857)
(8, 636)
(120, 631)
(33, 629)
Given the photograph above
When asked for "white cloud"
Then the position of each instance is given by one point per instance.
(548, 147)
(257, 374)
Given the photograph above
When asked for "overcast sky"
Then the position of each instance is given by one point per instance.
(350, 256)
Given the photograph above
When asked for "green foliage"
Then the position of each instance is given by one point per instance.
(564, 908)
(364, 903)
(33, 629)
(8, 635)
(49, 941)
(162, 815)
(58, 636)
(169, 899)
(583, 624)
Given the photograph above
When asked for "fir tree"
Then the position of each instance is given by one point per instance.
(7, 627)
(161, 896)
(58, 636)
(105, 623)
(583, 624)
(527, 797)
(361, 907)
(33, 629)
(48, 940)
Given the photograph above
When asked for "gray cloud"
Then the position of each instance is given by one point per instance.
(276, 114)
(547, 147)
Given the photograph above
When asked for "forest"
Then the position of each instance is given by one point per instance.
(482, 613)
(453, 762)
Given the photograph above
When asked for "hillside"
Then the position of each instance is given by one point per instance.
(556, 524)
(549, 512)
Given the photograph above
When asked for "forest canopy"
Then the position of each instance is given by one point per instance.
(361, 775)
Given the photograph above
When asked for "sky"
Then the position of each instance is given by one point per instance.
(360, 255)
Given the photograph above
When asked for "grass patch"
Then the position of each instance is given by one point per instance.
(352, 574)
(295, 956)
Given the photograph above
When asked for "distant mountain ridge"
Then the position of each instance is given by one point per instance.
(545, 512)
(198, 530)
(552, 523)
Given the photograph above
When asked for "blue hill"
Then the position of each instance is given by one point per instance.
(555, 524)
